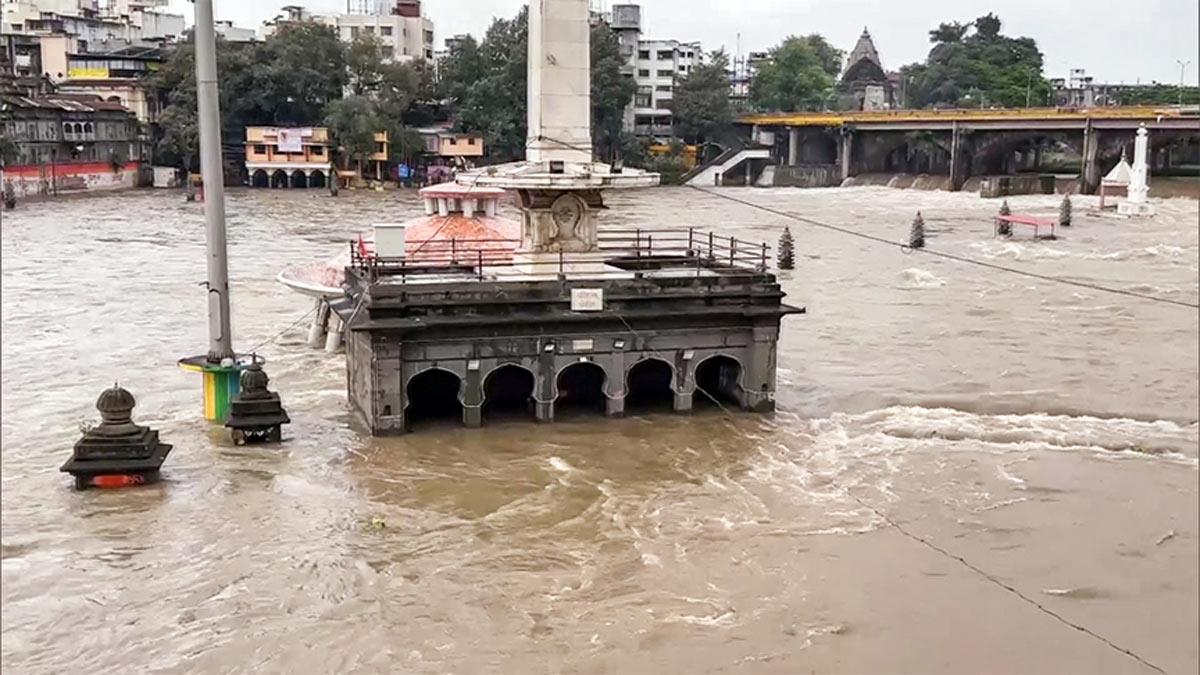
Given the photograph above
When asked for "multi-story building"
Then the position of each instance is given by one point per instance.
(288, 157)
(232, 33)
(406, 35)
(655, 65)
(116, 76)
(70, 143)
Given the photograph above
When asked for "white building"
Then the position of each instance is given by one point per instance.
(406, 34)
(232, 33)
(656, 66)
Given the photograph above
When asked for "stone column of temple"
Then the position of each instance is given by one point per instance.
(793, 146)
(683, 383)
(473, 398)
(316, 332)
(333, 339)
(560, 81)
(758, 382)
(614, 386)
(544, 388)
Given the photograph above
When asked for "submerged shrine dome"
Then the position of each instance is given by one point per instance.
(460, 222)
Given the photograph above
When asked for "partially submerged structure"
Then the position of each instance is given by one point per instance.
(573, 317)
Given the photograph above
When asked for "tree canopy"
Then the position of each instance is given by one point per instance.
(701, 106)
(299, 75)
(799, 74)
(979, 68)
(487, 84)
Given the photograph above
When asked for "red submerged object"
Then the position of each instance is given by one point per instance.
(460, 224)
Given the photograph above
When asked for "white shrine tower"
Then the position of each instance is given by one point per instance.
(558, 185)
(1138, 201)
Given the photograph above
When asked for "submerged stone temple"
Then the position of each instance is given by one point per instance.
(580, 317)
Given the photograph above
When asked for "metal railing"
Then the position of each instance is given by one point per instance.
(636, 249)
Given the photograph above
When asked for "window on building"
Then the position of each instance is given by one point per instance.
(353, 32)
(666, 54)
(428, 37)
(380, 148)
(453, 141)
(370, 30)
(663, 87)
(644, 54)
(641, 100)
(385, 31)
(683, 69)
(260, 149)
(471, 141)
(643, 73)
(388, 51)
(666, 73)
(318, 151)
(666, 102)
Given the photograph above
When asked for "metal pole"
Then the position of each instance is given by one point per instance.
(220, 341)
(1182, 69)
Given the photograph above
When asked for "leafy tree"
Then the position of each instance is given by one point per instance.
(702, 107)
(985, 68)
(487, 81)
(612, 90)
(354, 121)
(799, 75)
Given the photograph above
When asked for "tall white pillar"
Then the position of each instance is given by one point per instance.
(559, 82)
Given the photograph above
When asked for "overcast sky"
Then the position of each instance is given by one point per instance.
(1114, 40)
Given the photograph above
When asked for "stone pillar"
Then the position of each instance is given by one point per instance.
(430, 206)
(1091, 165)
(560, 114)
(443, 206)
(614, 386)
(473, 397)
(845, 152)
(333, 339)
(960, 159)
(683, 402)
(545, 386)
(388, 385)
(793, 146)
(758, 382)
(316, 332)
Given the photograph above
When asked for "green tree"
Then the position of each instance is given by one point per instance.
(354, 121)
(798, 75)
(288, 79)
(612, 91)
(984, 68)
(487, 83)
(701, 107)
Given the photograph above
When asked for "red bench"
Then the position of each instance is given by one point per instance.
(1017, 219)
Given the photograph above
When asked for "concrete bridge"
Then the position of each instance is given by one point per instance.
(814, 149)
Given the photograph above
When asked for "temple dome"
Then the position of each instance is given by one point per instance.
(115, 404)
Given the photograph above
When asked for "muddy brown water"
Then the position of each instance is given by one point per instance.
(1044, 434)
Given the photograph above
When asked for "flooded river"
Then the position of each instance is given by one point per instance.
(964, 465)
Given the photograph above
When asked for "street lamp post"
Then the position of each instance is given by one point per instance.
(1182, 69)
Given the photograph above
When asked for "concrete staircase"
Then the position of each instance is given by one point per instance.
(705, 174)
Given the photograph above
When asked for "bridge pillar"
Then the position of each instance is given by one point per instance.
(793, 146)
(960, 160)
(845, 152)
(1090, 175)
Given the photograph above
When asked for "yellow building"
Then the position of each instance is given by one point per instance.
(280, 157)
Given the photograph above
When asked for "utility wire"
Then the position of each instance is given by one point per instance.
(1011, 589)
(951, 256)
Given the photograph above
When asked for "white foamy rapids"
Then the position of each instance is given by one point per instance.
(1161, 438)
(915, 277)
(1023, 250)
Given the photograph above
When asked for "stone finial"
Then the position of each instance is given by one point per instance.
(1064, 211)
(1005, 210)
(916, 235)
(116, 405)
(787, 250)
(254, 382)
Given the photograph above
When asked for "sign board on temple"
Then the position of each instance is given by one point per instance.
(587, 299)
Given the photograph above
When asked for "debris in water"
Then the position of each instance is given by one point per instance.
(1165, 538)
(377, 523)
